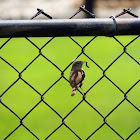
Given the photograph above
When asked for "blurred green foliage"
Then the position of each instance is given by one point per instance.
(41, 74)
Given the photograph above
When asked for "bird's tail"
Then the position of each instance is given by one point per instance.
(73, 92)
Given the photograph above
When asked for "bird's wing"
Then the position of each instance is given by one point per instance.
(83, 75)
(77, 78)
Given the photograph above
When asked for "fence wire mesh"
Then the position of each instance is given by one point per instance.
(62, 76)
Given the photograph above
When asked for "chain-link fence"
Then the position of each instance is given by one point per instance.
(62, 72)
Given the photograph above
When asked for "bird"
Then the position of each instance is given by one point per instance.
(77, 75)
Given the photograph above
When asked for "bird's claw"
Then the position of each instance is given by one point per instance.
(84, 96)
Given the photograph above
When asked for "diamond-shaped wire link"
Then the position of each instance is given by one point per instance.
(62, 76)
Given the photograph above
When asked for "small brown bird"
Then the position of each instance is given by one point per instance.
(77, 76)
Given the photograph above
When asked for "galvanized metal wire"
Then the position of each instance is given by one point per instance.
(104, 118)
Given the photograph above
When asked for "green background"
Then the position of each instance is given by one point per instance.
(41, 74)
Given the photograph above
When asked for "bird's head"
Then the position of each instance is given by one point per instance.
(78, 65)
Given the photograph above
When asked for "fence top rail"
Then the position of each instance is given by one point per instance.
(70, 27)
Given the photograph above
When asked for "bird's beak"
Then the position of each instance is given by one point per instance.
(86, 63)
